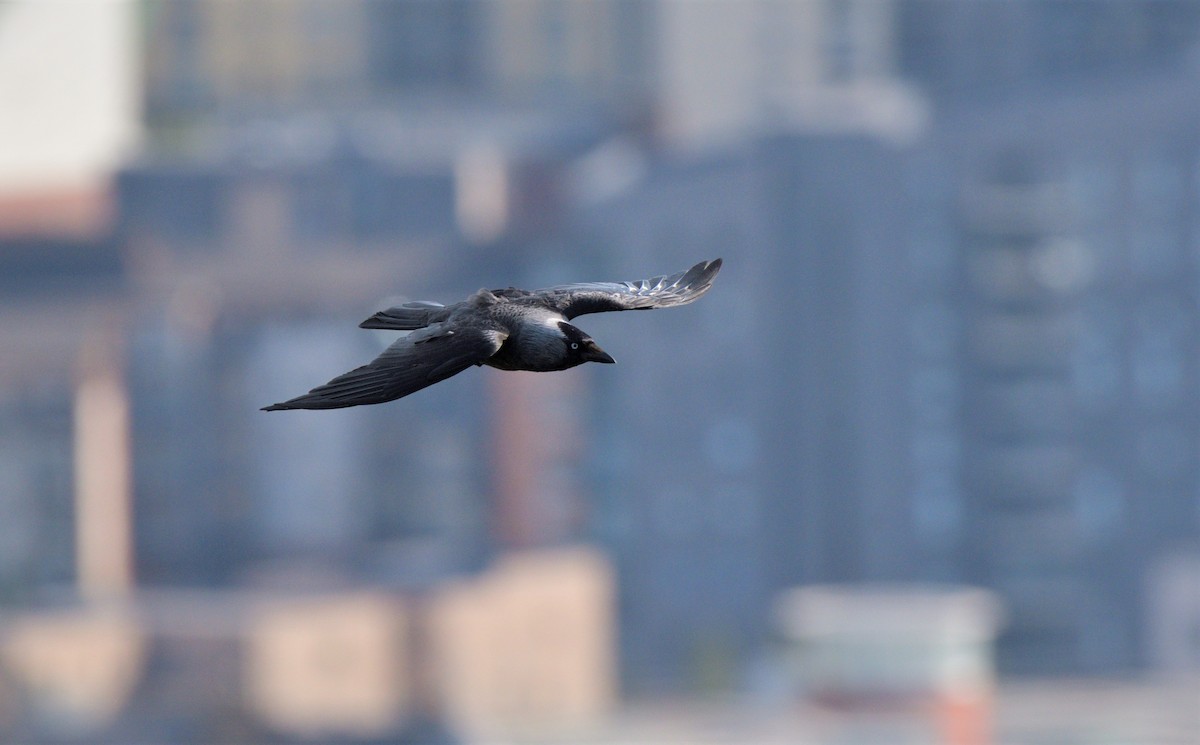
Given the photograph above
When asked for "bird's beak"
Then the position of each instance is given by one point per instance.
(594, 353)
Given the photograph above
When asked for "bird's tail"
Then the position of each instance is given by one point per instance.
(406, 317)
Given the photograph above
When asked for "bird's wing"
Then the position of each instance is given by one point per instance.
(407, 316)
(411, 363)
(657, 292)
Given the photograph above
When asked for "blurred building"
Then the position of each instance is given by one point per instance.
(207, 57)
(725, 70)
(1079, 331)
(73, 115)
(923, 650)
(961, 359)
(206, 61)
(222, 254)
(979, 51)
(60, 296)
(522, 649)
(779, 450)
(240, 257)
(950, 342)
(694, 73)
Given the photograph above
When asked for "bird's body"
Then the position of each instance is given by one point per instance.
(509, 329)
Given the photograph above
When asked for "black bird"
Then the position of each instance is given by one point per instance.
(509, 329)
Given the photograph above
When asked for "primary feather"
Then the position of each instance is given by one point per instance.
(657, 292)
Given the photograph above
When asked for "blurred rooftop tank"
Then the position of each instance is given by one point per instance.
(919, 649)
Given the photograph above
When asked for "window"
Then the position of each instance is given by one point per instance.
(937, 508)
(839, 40)
(933, 394)
(933, 329)
(1156, 250)
(1095, 364)
(1160, 333)
(1159, 186)
(1099, 500)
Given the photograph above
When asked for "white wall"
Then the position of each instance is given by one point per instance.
(69, 101)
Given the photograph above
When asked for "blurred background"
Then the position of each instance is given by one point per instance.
(924, 466)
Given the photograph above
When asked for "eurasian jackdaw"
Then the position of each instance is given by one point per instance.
(509, 329)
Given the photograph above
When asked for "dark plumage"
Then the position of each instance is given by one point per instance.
(509, 329)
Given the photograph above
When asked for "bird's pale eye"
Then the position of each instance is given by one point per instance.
(574, 345)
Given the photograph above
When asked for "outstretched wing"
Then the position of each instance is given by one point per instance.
(657, 292)
(411, 363)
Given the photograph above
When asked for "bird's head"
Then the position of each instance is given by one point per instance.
(580, 347)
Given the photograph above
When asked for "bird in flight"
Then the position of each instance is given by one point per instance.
(508, 329)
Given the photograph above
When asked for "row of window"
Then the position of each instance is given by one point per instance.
(201, 209)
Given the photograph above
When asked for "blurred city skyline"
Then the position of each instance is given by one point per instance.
(953, 345)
